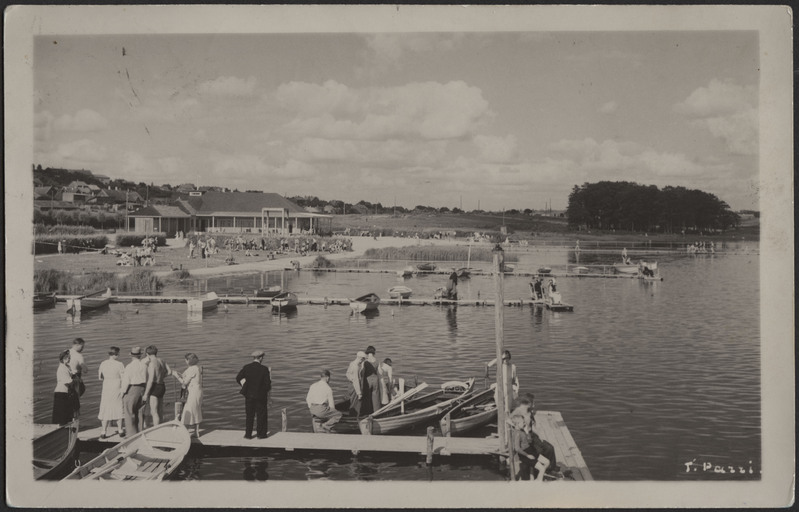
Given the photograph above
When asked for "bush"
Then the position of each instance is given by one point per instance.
(76, 284)
(128, 239)
(48, 244)
(42, 229)
(322, 262)
(434, 253)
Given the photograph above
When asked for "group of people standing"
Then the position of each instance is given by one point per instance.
(126, 388)
(372, 382)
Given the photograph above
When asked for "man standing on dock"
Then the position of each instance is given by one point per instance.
(355, 376)
(133, 381)
(256, 383)
(321, 403)
(155, 390)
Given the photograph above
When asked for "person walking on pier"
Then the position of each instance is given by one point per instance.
(155, 390)
(321, 403)
(192, 380)
(111, 409)
(355, 376)
(256, 383)
(134, 380)
(386, 374)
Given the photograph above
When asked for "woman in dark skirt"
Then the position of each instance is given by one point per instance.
(63, 400)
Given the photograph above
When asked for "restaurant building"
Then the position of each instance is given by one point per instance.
(229, 212)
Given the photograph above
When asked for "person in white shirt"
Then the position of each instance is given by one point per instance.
(514, 379)
(77, 365)
(355, 376)
(134, 379)
(321, 404)
(63, 399)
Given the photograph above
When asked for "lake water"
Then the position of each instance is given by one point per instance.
(655, 380)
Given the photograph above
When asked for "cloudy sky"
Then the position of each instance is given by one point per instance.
(509, 119)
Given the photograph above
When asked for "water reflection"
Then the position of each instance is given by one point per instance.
(452, 321)
(255, 469)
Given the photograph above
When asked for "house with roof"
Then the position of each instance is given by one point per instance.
(230, 212)
(117, 199)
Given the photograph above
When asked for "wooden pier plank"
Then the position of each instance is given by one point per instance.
(549, 425)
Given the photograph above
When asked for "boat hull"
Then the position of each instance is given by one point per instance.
(55, 451)
(284, 301)
(368, 302)
(268, 292)
(400, 292)
(418, 412)
(43, 300)
(153, 454)
(478, 411)
(210, 301)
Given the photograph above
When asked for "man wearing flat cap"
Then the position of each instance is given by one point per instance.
(256, 383)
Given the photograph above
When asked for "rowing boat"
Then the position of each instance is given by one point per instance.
(269, 291)
(426, 266)
(397, 292)
(54, 449)
(284, 301)
(203, 303)
(406, 272)
(416, 412)
(90, 301)
(368, 302)
(153, 454)
(477, 411)
(43, 300)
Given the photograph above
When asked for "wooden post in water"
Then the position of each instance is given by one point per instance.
(499, 319)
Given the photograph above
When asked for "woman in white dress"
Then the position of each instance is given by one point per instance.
(192, 380)
(110, 373)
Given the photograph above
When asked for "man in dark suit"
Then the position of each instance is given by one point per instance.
(256, 383)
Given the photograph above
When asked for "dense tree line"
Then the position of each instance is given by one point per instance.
(626, 206)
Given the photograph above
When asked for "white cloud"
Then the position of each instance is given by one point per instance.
(608, 108)
(85, 120)
(83, 150)
(612, 159)
(497, 149)
(229, 86)
(428, 110)
(728, 111)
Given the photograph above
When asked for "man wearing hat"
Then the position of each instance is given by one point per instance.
(256, 383)
(134, 380)
(355, 376)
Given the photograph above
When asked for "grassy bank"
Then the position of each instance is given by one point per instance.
(433, 253)
(74, 284)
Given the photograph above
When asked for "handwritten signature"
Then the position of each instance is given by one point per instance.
(693, 466)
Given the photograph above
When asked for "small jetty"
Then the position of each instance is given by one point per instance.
(549, 424)
(318, 301)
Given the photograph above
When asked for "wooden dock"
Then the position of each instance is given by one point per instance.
(549, 424)
(314, 301)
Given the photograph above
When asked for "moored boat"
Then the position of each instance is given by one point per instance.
(477, 411)
(203, 303)
(368, 302)
(406, 272)
(544, 270)
(43, 300)
(90, 301)
(399, 292)
(54, 449)
(426, 266)
(402, 415)
(269, 291)
(284, 301)
(624, 268)
(581, 270)
(507, 269)
(464, 272)
(153, 454)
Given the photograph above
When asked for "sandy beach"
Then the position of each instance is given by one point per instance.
(175, 255)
